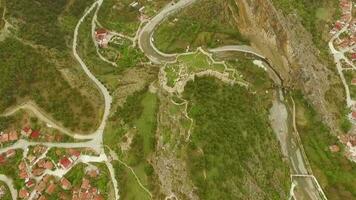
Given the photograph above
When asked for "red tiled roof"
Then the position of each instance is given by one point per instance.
(353, 56)
(4, 137)
(30, 183)
(48, 165)
(85, 184)
(23, 193)
(35, 134)
(10, 153)
(51, 188)
(13, 136)
(74, 152)
(65, 162)
(354, 114)
(26, 129)
(65, 184)
(2, 159)
(23, 174)
(101, 31)
(42, 198)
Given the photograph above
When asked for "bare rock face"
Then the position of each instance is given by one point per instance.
(284, 41)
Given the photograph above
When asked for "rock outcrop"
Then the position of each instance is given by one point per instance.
(284, 41)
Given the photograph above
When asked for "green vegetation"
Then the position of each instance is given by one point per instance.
(335, 173)
(10, 169)
(257, 77)
(205, 23)
(315, 16)
(76, 174)
(5, 122)
(32, 56)
(193, 63)
(232, 147)
(102, 181)
(139, 116)
(26, 74)
(7, 195)
(119, 16)
(124, 54)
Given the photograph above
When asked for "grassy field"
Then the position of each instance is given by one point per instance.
(334, 172)
(139, 117)
(32, 57)
(233, 153)
(206, 23)
(193, 63)
(124, 55)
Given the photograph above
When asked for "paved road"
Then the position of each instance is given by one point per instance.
(145, 39)
(279, 110)
(8, 181)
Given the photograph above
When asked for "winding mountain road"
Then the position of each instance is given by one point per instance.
(287, 140)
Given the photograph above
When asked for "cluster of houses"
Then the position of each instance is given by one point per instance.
(13, 136)
(346, 8)
(348, 39)
(7, 155)
(86, 191)
(32, 171)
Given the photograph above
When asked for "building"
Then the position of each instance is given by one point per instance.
(10, 153)
(65, 163)
(13, 136)
(23, 193)
(26, 131)
(51, 188)
(30, 183)
(65, 184)
(35, 135)
(102, 37)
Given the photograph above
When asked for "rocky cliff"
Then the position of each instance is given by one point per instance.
(284, 41)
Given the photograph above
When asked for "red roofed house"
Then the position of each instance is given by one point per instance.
(353, 115)
(353, 81)
(13, 136)
(65, 184)
(4, 137)
(85, 184)
(338, 25)
(30, 183)
(23, 193)
(23, 174)
(10, 153)
(35, 134)
(353, 56)
(2, 159)
(26, 131)
(65, 162)
(51, 188)
(48, 165)
(42, 198)
(101, 37)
